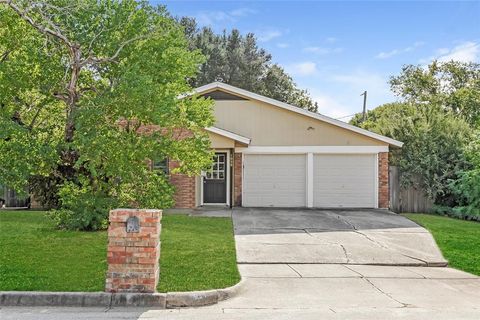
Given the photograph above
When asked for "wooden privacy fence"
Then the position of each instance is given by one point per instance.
(408, 199)
(10, 198)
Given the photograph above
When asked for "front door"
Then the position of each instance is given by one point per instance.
(215, 180)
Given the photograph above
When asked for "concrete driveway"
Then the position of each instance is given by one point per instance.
(375, 237)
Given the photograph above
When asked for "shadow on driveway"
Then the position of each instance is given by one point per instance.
(267, 221)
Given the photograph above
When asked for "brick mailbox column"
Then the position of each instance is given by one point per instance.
(133, 250)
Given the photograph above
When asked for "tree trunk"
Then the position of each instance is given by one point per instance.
(72, 92)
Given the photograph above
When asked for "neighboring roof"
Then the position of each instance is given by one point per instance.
(226, 87)
(229, 134)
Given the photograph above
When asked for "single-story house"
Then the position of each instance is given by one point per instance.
(272, 154)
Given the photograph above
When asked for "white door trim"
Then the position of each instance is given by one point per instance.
(309, 180)
(312, 149)
(227, 168)
(243, 179)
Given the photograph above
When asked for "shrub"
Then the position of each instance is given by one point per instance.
(81, 209)
(45, 190)
(457, 213)
(467, 186)
(434, 143)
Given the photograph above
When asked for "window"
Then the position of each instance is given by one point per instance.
(217, 170)
(160, 165)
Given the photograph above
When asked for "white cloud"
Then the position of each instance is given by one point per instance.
(322, 50)
(267, 35)
(338, 95)
(358, 81)
(283, 45)
(331, 39)
(443, 51)
(464, 52)
(306, 68)
(394, 52)
(242, 12)
(385, 55)
(209, 18)
(318, 50)
(331, 107)
(363, 80)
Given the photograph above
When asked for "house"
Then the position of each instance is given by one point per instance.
(272, 154)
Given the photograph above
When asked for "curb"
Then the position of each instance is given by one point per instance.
(201, 298)
(104, 299)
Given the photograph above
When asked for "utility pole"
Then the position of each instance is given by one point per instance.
(364, 94)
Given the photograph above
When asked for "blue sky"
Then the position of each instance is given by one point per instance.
(337, 50)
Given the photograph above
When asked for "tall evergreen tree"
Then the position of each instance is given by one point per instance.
(237, 60)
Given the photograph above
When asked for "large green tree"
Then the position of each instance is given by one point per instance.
(78, 82)
(467, 187)
(237, 60)
(453, 86)
(433, 151)
(438, 118)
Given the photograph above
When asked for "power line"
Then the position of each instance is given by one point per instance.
(350, 115)
(364, 113)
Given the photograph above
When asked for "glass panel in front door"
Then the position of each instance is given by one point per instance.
(217, 171)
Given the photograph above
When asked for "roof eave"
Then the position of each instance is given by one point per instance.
(229, 135)
(219, 85)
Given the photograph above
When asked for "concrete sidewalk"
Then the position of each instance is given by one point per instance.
(352, 286)
(305, 291)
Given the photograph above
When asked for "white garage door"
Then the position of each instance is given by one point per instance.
(344, 180)
(274, 180)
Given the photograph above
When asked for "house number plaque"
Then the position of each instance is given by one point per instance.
(133, 224)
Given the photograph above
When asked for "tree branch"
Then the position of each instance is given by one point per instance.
(93, 60)
(23, 14)
(4, 56)
(34, 119)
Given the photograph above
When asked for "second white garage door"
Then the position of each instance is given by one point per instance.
(342, 181)
(274, 180)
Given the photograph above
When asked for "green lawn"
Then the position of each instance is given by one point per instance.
(34, 256)
(197, 254)
(459, 240)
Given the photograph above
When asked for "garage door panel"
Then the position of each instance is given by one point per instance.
(344, 180)
(274, 181)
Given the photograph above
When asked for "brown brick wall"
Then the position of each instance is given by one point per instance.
(383, 196)
(237, 180)
(133, 257)
(184, 195)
